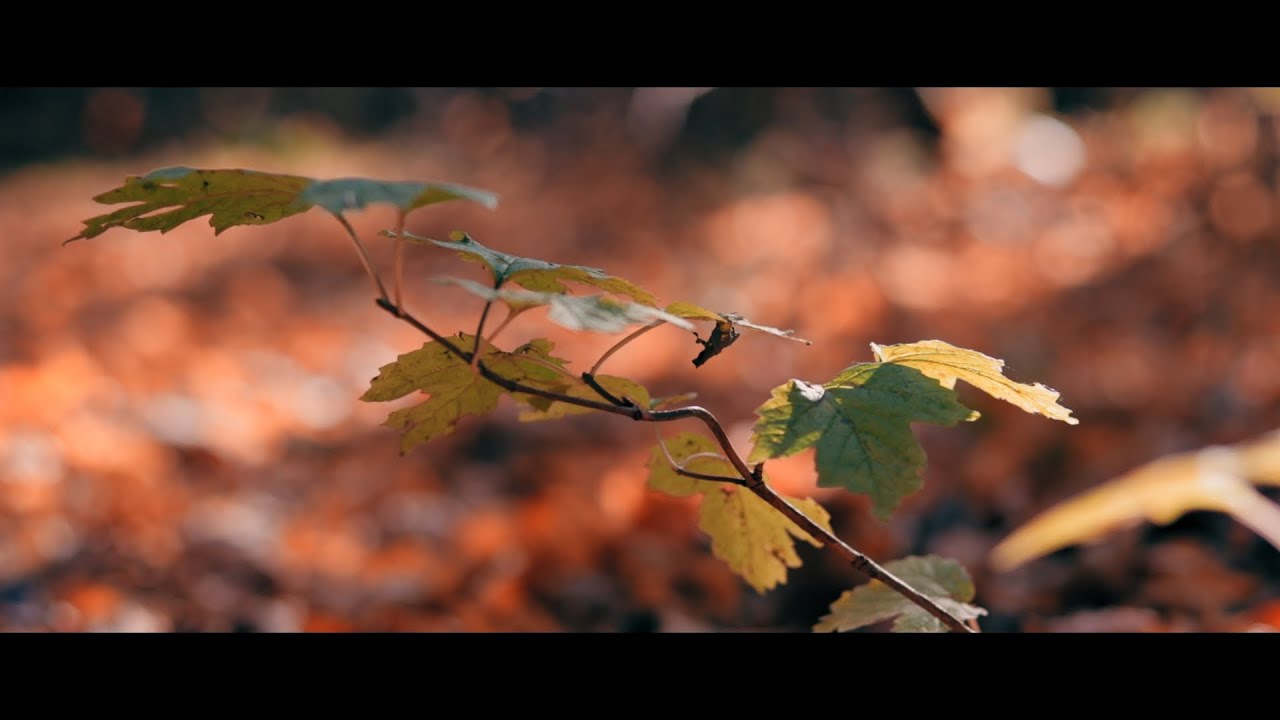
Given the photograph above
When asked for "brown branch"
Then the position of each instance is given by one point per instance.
(364, 256)
(590, 380)
(753, 478)
(621, 343)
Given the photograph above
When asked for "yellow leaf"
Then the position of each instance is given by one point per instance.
(947, 363)
(1215, 478)
(752, 537)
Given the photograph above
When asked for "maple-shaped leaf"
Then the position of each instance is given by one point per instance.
(619, 387)
(860, 424)
(943, 580)
(947, 363)
(753, 538)
(598, 313)
(533, 274)
(454, 389)
(1215, 478)
(169, 197)
(725, 332)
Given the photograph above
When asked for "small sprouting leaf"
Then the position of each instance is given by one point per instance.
(532, 274)
(726, 329)
(454, 389)
(860, 424)
(619, 387)
(355, 193)
(248, 197)
(599, 313)
(754, 539)
(1215, 478)
(945, 581)
(947, 363)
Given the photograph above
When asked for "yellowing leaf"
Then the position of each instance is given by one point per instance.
(945, 581)
(1215, 478)
(231, 197)
(947, 363)
(619, 387)
(248, 197)
(454, 389)
(754, 539)
(860, 424)
(598, 313)
(532, 274)
(726, 330)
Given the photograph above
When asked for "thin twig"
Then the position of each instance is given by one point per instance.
(364, 256)
(399, 262)
(590, 380)
(753, 477)
(511, 314)
(484, 315)
(619, 345)
(678, 468)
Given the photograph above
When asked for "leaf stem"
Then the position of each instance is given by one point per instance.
(619, 345)
(484, 315)
(364, 256)
(511, 315)
(753, 478)
(399, 261)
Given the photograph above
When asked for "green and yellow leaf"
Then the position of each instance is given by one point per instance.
(860, 425)
(597, 313)
(754, 539)
(943, 580)
(166, 198)
(533, 274)
(947, 363)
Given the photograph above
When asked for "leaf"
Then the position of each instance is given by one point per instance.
(943, 580)
(343, 194)
(455, 390)
(532, 274)
(598, 313)
(617, 386)
(754, 539)
(726, 329)
(947, 363)
(860, 424)
(248, 197)
(1215, 478)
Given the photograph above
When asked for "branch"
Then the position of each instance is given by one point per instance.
(753, 478)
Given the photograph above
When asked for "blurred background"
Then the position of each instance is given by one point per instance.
(182, 448)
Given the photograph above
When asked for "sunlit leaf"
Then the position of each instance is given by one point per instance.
(454, 390)
(598, 313)
(1215, 478)
(169, 197)
(947, 363)
(754, 539)
(725, 332)
(860, 425)
(943, 580)
(533, 274)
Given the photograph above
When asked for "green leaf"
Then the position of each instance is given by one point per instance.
(532, 274)
(598, 313)
(455, 390)
(343, 194)
(860, 424)
(617, 386)
(754, 539)
(726, 329)
(947, 363)
(248, 197)
(942, 579)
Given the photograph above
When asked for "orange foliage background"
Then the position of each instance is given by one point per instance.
(181, 447)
